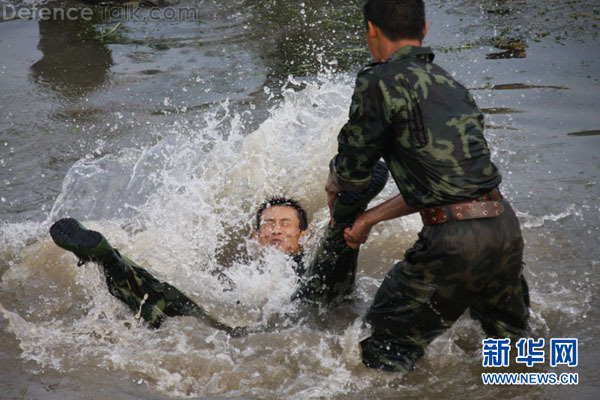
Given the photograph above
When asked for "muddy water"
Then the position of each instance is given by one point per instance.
(166, 135)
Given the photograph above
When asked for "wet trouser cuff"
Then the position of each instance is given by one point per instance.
(385, 353)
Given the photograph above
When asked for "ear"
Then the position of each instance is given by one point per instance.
(372, 30)
(255, 236)
(302, 233)
(425, 29)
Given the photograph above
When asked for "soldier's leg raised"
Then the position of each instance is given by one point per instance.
(152, 299)
(130, 283)
(332, 272)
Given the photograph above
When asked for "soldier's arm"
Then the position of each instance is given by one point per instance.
(392, 208)
(332, 190)
(361, 142)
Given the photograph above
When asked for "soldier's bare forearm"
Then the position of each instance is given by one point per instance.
(389, 209)
(392, 208)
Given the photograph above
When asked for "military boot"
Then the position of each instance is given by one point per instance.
(87, 245)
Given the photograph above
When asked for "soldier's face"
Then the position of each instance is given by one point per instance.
(280, 228)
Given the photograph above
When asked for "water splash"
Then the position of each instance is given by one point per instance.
(532, 221)
(184, 208)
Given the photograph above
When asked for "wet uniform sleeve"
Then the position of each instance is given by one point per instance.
(361, 141)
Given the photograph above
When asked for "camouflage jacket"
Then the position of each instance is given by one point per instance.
(424, 124)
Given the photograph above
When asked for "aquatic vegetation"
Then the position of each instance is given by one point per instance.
(509, 25)
(595, 132)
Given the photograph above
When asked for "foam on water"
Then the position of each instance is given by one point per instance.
(532, 221)
(184, 208)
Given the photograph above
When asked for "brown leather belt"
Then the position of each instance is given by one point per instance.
(486, 206)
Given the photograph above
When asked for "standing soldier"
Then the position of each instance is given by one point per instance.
(428, 129)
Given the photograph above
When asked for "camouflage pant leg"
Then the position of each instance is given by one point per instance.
(152, 299)
(332, 272)
(143, 293)
(454, 266)
(502, 306)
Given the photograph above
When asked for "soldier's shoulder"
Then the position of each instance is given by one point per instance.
(381, 71)
(370, 69)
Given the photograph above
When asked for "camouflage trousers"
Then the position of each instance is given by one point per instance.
(332, 274)
(329, 277)
(150, 298)
(455, 266)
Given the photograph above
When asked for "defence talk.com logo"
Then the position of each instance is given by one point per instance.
(126, 12)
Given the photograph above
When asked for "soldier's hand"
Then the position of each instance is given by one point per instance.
(358, 233)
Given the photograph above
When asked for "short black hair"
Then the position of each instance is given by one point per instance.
(284, 202)
(397, 19)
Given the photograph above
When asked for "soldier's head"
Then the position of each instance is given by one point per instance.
(395, 19)
(281, 222)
